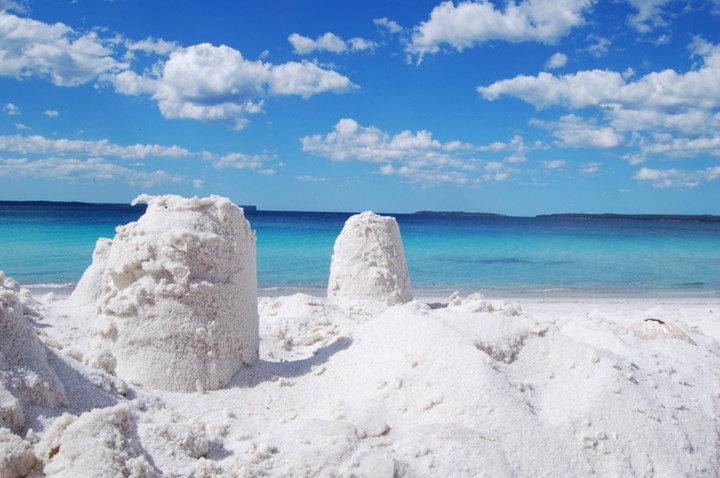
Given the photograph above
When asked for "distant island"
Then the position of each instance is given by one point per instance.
(644, 217)
(458, 213)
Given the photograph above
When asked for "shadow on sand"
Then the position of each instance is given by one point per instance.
(265, 371)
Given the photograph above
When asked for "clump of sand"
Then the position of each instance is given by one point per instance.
(101, 442)
(178, 304)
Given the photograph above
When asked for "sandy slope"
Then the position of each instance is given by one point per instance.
(469, 387)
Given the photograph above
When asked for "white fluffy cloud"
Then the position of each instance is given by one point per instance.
(415, 157)
(29, 48)
(352, 141)
(13, 5)
(237, 161)
(649, 14)
(217, 84)
(558, 60)
(151, 45)
(329, 42)
(36, 144)
(71, 169)
(11, 109)
(674, 178)
(667, 88)
(590, 169)
(572, 131)
(668, 113)
(390, 25)
(470, 23)
(203, 82)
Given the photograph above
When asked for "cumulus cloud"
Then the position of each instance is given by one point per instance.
(590, 169)
(11, 109)
(204, 82)
(81, 159)
(574, 132)
(217, 84)
(390, 25)
(255, 162)
(329, 42)
(416, 157)
(352, 141)
(36, 144)
(51, 113)
(71, 169)
(516, 149)
(599, 46)
(151, 45)
(558, 60)
(30, 48)
(238, 161)
(667, 113)
(667, 88)
(468, 24)
(18, 7)
(649, 14)
(674, 178)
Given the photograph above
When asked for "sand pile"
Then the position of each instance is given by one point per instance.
(101, 442)
(26, 378)
(178, 295)
(368, 263)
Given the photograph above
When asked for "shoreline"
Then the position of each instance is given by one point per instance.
(62, 291)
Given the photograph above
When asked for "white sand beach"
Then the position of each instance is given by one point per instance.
(463, 386)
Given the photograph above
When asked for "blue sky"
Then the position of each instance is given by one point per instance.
(520, 108)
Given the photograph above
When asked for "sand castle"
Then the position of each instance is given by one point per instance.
(368, 263)
(178, 299)
(176, 291)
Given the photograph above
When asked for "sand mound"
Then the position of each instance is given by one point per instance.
(26, 378)
(178, 309)
(368, 263)
(102, 442)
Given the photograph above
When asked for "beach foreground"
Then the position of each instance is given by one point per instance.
(464, 386)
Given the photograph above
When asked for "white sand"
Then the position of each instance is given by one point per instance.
(461, 387)
(534, 387)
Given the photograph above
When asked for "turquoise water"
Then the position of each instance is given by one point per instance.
(50, 245)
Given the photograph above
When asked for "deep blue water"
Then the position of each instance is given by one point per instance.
(51, 245)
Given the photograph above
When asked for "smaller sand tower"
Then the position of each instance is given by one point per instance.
(368, 263)
(178, 307)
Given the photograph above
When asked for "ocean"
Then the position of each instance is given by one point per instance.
(47, 246)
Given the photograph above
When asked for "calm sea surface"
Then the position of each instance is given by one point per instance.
(49, 246)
